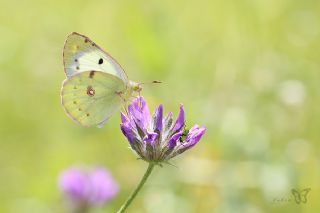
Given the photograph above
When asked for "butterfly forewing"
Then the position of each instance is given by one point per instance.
(303, 194)
(91, 97)
(81, 54)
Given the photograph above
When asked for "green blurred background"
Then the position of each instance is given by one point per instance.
(248, 70)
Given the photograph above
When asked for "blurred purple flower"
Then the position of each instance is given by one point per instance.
(157, 139)
(87, 188)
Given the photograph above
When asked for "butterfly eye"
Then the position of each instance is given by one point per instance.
(100, 61)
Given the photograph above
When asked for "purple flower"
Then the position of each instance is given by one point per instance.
(87, 188)
(157, 138)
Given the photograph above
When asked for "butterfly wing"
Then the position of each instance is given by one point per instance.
(82, 54)
(303, 194)
(296, 195)
(90, 98)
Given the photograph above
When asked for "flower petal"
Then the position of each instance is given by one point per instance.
(194, 135)
(180, 120)
(139, 111)
(74, 183)
(173, 140)
(150, 137)
(127, 131)
(157, 116)
(124, 118)
(167, 122)
(103, 187)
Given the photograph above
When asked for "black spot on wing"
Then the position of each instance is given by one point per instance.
(100, 61)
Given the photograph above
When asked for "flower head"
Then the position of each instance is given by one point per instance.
(157, 138)
(87, 188)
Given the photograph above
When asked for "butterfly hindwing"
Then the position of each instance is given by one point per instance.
(303, 194)
(82, 54)
(91, 97)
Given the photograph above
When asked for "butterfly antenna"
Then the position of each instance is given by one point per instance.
(124, 100)
(150, 82)
(147, 82)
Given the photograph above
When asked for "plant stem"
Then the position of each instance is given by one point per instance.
(135, 192)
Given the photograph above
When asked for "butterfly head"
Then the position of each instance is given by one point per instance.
(136, 87)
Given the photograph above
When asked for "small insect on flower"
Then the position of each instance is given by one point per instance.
(184, 135)
(157, 139)
(85, 189)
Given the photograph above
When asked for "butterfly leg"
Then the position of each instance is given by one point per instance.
(124, 100)
(125, 108)
(140, 98)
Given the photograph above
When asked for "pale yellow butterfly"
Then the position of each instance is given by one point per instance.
(96, 85)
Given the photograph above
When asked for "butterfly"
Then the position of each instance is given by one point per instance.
(96, 85)
(300, 196)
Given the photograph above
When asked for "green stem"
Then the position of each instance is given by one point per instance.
(135, 192)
